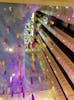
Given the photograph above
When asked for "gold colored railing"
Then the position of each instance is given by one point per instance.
(43, 2)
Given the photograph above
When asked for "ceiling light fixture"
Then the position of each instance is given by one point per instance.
(68, 18)
(73, 15)
(10, 50)
(13, 74)
(66, 7)
(57, 7)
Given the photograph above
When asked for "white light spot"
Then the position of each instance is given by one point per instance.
(66, 7)
(58, 15)
(10, 50)
(73, 15)
(57, 7)
(68, 18)
(13, 74)
(10, 9)
(63, 40)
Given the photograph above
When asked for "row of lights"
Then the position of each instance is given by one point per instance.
(10, 9)
(57, 7)
(8, 49)
(58, 15)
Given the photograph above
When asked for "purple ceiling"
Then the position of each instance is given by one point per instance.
(14, 63)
